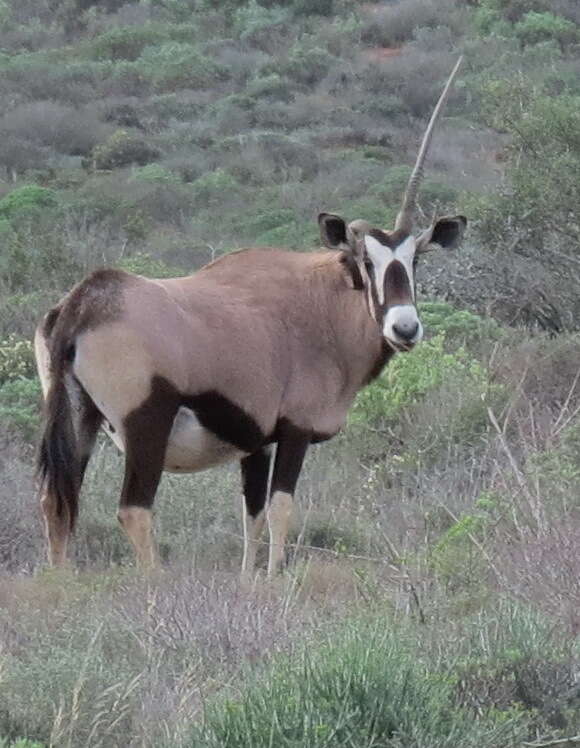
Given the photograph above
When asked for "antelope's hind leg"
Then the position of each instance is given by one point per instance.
(147, 430)
(57, 518)
(255, 473)
(292, 445)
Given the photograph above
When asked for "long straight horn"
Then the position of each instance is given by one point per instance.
(405, 216)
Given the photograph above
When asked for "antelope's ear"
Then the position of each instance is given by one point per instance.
(335, 234)
(446, 232)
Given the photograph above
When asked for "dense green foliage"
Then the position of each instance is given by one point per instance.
(364, 687)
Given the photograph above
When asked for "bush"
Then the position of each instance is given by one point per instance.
(123, 149)
(271, 87)
(308, 65)
(457, 558)
(408, 378)
(536, 203)
(60, 127)
(251, 21)
(16, 358)
(209, 190)
(126, 43)
(142, 263)
(361, 687)
(20, 406)
(154, 173)
(460, 327)
(177, 65)
(540, 27)
(20, 312)
(434, 195)
(27, 202)
(391, 25)
(269, 157)
(18, 155)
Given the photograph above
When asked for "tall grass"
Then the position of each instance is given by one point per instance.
(364, 686)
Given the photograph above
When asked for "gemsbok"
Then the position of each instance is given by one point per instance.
(261, 347)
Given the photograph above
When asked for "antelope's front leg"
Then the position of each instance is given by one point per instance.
(255, 473)
(292, 445)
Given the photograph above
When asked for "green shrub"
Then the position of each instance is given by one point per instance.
(210, 189)
(177, 65)
(457, 558)
(122, 149)
(20, 406)
(365, 686)
(142, 263)
(154, 173)
(272, 86)
(540, 27)
(20, 312)
(538, 199)
(459, 326)
(126, 42)
(556, 472)
(489, 21)
(259, 223)
(408, 378)
(252, 19)
(16, 358)
(433, 193)
(313, 7)
(27, 201)
(305, 64)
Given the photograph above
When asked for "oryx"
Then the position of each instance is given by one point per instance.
(262, 347)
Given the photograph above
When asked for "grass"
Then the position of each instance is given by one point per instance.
(190, 659)
(361, 686)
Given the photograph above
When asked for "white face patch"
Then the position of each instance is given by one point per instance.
(401, 325)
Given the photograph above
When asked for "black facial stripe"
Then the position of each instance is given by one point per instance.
(377, 306)
(391, 240)
(397, 289)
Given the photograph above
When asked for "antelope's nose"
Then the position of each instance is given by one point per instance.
(406, 330)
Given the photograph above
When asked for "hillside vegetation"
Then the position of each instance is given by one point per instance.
(432, 595)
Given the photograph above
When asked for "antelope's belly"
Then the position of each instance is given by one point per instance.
(192, 447)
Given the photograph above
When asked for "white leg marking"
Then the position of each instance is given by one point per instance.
(137, 523)
(57, 531)
(279, 512)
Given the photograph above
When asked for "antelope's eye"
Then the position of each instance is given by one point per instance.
(415, 261)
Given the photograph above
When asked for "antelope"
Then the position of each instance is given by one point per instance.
(260, 348)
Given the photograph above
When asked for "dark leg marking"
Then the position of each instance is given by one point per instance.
(90, 422)
(147, 429)
(292, 445)
(255, 473)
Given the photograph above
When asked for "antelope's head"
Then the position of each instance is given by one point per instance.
(383, 263)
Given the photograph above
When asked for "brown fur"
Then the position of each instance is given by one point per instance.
(283, 337)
